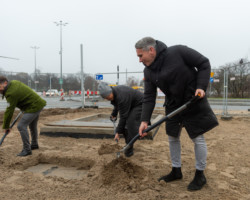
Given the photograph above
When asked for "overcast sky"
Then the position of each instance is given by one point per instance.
(108, 30)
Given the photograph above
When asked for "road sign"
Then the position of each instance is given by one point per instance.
(99, 77)
(212, 74)
(60, 81)
(211, 80)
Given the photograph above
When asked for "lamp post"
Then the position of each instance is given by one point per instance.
(35, 48)
(60, 24)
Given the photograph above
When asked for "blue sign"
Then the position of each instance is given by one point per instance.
(211, 80)
(99, 77)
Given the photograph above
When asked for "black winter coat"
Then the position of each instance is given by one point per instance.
(178, 71)
(125, 100)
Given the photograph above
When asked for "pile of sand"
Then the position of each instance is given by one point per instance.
(123, 174)
(109, 148)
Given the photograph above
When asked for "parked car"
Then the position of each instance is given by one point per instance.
(52, 92)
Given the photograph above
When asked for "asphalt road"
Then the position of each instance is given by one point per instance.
(75, 102)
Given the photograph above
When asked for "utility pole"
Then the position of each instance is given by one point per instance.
(82, 77)
(50, 82)
(126, 76)
(35, 48)
(117, 75)
(61, 24)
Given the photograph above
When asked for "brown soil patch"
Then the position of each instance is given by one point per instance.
(108, 178)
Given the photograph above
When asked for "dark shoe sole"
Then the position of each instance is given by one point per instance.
(129, 154)
(196, 187)
(198, 182)
(174, 175)
(25, 154)
(167, 181)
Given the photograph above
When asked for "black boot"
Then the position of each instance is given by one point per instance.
(175, 174)
(129, 152)
(34, 146)
(198, 181)
(24, 152)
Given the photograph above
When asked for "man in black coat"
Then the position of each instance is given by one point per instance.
(180, 72)
(128, 102)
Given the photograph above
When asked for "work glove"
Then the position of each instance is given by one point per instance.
(112, 118)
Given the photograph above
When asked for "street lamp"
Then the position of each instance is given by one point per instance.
(60, 24)
(35, 48)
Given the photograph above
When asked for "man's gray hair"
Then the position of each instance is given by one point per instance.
(3, 79)
(145, 43)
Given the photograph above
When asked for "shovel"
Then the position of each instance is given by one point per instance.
(12, 124)
(169, 116)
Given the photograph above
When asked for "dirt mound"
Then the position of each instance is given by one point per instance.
(59, 111)
(108, 148)
(46, 112)
(122, 174)
(55, 111)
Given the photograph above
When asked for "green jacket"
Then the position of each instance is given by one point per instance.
(21, 96)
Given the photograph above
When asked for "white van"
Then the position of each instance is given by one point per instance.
(52, 92)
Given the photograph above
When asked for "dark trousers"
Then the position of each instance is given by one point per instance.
(133, 123)
(28, 119)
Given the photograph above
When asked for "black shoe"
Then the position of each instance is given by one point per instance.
(175, 174)
(35, 146)
(24, 152)
(198, 182)
(129, 152)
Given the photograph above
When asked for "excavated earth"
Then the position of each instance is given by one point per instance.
(84, 168)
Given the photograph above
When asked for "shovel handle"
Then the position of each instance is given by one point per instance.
(172, 114)
(5, 134)
(7, 131)
(169, 116)
(15, 120)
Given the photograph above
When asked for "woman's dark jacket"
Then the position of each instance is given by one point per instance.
(178, 71)
(125, 99)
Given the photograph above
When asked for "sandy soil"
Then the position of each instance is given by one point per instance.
(228, 165)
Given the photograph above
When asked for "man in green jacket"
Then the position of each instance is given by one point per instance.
(30, 103)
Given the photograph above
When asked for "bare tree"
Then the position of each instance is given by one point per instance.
(132, 81)
(217, 87)
(238, 78)
(141, 83)
(72, 82)
(23, 77)
(90, 83)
